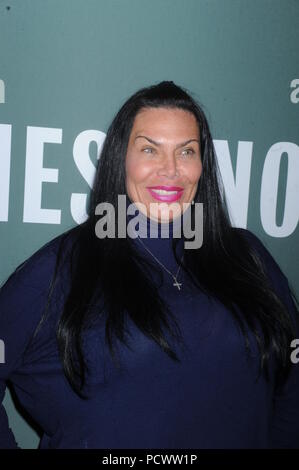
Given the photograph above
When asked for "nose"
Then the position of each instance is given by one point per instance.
(168, 166)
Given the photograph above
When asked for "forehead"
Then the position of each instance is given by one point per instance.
(166, 121)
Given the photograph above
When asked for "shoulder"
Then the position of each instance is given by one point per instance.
(263, 257)
(37, 270)
(277, 279)
(261, 250)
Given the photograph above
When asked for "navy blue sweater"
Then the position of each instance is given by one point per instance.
(210, 399)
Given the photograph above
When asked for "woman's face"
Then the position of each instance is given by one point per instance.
(163, 161)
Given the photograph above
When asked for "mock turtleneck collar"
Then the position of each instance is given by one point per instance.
(150, 228)
(160, 245)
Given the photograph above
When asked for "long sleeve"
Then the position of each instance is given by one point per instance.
(22, 301)
(284, 428)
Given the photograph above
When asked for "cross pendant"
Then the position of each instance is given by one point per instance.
(177, 284)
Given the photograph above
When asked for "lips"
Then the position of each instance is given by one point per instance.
(166, 193)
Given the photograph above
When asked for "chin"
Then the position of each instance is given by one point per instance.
(165, 218)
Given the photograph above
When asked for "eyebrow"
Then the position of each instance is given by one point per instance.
(182, 144)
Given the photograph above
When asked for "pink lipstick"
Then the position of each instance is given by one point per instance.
(166, 193)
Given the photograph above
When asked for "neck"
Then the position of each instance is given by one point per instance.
(155, 236)
(146, 227)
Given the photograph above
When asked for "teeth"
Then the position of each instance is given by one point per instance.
(164, 191)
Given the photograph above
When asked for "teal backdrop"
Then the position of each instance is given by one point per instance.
(66, 66)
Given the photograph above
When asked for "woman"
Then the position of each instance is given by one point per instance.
(140, 342)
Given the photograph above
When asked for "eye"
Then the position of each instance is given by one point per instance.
(148, 150)
(187, 152)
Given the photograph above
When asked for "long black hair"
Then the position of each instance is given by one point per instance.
(109, 274)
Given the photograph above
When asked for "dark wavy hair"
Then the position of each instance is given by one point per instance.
(109, 274)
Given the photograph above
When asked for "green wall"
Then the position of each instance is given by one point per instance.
(68, 65)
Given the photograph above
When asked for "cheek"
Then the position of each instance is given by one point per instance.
(194, 172)
(136, 173)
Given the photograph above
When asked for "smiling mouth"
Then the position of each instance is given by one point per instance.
(166, 194)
